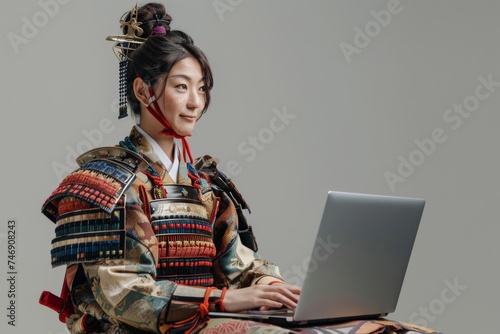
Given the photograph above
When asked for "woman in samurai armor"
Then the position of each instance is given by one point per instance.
(152, 239)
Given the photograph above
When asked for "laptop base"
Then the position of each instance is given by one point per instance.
(284, 320)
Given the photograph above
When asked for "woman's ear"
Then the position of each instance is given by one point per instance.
(141, 91)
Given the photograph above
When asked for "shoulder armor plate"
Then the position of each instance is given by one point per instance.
(120, 155)
(104, 175)
(89, 235)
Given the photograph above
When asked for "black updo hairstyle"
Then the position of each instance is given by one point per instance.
(159, 53)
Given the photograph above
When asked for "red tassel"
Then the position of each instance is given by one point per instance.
(157, 182)
(145, 201)
(200, 319)
(61, 305)
(220, 302)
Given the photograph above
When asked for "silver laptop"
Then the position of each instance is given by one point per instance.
(358, 261)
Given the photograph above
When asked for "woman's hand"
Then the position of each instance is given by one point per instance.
(264, 297)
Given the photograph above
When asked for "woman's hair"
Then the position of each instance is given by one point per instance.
(162, 49)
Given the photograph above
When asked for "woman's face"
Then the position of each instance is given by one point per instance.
(183, 98)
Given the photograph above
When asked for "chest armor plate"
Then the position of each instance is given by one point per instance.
(184, 232)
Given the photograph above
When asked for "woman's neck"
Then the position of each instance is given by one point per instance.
(166, 143)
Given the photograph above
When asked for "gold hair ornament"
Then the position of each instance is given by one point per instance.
(127, 43)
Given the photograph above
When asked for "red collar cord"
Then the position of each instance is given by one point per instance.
(154, 109)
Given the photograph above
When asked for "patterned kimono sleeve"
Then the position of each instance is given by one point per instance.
(235, 265)
(129, 294)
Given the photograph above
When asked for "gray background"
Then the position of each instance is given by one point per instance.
(352, 119)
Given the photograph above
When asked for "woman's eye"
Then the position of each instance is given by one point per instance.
(203, 88)
(182, 86)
